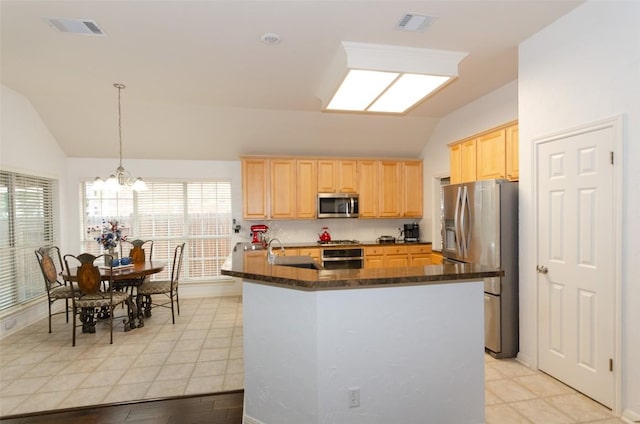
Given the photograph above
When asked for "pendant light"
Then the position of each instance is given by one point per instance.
(120, 177)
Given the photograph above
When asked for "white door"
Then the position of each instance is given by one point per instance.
(576, 254)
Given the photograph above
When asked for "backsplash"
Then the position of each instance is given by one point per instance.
(300, 231)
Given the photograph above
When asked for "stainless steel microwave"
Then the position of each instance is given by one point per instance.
(337, 205)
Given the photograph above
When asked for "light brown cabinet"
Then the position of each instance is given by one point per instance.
(463, 162)
(373, 257)
(283, 188)
(396, 256)
(412, 189)
(512, 153)
(337, 176)
(468, 161)
(287, 187)
(436, 258)
(369, 188)
(253, 260)
(419, 255)
(313, 252)
(306, 191)
(255, 188)
(492, 154)
(390, 189)
(279, 188)
(455, 166)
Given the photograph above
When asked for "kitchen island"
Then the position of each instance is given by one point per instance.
(362, 346)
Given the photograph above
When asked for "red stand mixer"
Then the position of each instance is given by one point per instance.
(259, 234)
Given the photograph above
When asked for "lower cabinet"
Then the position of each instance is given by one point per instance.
(436, 258)
(397, 256)
(373, 257)
(254, 259)
(420, 255)
(313, 252)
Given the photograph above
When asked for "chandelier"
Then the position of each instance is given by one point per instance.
(120, 177)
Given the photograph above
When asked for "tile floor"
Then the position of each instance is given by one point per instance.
(202, 353)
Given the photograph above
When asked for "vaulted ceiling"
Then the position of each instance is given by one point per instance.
(201, 84)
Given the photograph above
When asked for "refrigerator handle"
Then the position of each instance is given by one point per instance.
(465, 216)
(456, 222)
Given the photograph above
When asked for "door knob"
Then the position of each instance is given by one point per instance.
(542, 269)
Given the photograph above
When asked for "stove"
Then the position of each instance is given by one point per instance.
(338, 242)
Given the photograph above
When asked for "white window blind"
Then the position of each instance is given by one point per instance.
(27, 222)
(198, 213)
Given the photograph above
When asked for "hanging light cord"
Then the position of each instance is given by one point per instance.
(120, 87)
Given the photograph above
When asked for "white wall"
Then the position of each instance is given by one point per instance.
(583, 68)
(27, 146)
(492, 110)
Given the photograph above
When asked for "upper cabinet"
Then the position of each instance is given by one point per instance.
(255, 188)
(390, 189)
(455, 166)
(306, 189)
(492, 154)
(279, 188)
(412, 189)
(468, 161)
(369, 188)
(337, 176)
(512, 153)
(283, 188)
(287, 188)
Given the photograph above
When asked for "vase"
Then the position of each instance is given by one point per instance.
(114, 255)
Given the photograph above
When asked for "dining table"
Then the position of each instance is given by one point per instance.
(125, 278)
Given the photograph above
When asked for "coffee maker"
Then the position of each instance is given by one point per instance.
(259, 234)
(411, 233)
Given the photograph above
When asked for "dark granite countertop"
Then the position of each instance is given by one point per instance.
(256, 269)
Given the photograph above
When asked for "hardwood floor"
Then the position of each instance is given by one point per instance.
(223, 408)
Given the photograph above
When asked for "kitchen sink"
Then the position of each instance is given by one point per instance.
(297, 262)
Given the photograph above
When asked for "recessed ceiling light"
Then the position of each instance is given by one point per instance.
(270, 38)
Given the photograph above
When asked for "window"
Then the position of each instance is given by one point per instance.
(198, 213)
(27, 222)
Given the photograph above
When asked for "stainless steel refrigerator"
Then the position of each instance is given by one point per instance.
(480, 225)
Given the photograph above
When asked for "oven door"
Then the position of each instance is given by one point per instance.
(343, 258)
(336, 263)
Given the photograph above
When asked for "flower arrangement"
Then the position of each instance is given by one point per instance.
(110, 234)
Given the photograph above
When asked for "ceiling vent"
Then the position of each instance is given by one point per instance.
(75, 26)
(414, 23)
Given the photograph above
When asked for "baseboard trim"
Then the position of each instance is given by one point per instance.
(631, 416)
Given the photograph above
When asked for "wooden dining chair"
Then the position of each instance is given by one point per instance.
(167, 288)
(56, 285)
(89, 293)
(138, 250)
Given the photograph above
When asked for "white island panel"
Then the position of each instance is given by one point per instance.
(416, 353)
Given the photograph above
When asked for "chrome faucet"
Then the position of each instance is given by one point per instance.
(271, 257)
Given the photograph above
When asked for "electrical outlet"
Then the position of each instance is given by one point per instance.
(354, 397)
